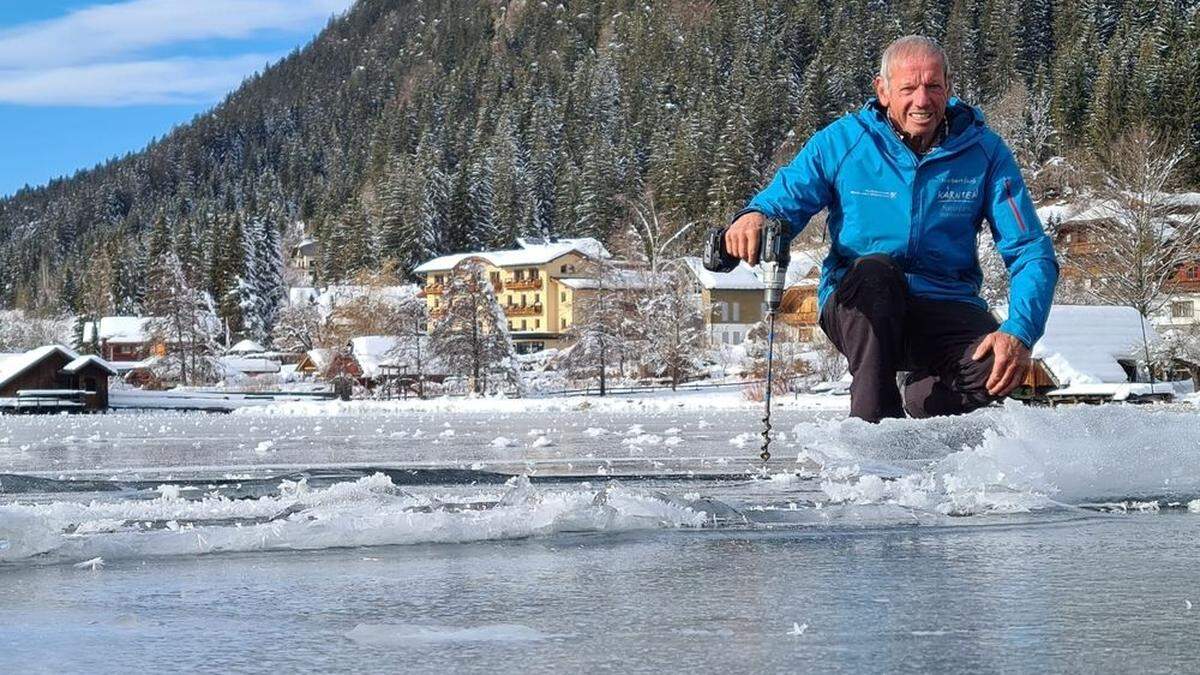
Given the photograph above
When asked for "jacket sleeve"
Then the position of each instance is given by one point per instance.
(799, 190)
(1024, 246)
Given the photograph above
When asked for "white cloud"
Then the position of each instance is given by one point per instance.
(159, 82)
(100, 55)
(110, 31)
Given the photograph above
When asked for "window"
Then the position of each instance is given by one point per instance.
(562, 296)
(562, 323)
(495, 277)
(1182, 310)
(737, 312)
(522, 299)
(519, 275)
(524, 326)
(537, 298)
(537, 323)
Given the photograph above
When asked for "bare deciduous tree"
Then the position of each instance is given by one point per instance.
(655, 235)
(1139, 240)
(471, 337)
(671, 328)
(600, 327)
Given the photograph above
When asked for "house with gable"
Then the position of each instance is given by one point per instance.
(122, 338)
(1075, 225)
(731, 302)
(1091, 353)
(532, 283)
(54, 377)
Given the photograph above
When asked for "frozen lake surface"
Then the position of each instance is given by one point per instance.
(634, 537)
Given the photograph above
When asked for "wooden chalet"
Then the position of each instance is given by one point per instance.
(1090, 354)
(54, 378)
(120, 339)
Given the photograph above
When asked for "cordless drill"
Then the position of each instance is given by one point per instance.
(773, 258)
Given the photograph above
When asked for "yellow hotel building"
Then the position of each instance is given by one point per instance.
(537, 285)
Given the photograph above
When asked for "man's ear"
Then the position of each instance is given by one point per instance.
(881, 91)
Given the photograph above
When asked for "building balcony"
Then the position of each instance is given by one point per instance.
(435, 289)
(527, 310)
(437, 313)
(523, 284)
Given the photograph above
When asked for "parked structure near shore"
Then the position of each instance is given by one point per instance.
(53, 378)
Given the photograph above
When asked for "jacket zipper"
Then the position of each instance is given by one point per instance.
(1013, 204)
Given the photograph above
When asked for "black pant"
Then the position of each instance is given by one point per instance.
(881, 328)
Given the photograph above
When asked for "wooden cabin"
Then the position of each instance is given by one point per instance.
(53, 378)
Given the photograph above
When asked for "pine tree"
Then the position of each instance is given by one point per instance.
(735, 177)
(482, 232)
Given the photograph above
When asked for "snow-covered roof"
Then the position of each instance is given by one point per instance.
(330, 297)
(19, 363)
(249, 366)
(1083, 343)
(531, 252)
(12, 365)
(81, 362)
(742, 278)
(616, 279)
(247, 346)
(373, 351)
(804, 269)
(1182, 199)
(1060, 212)
(321, 358)
(119, 329)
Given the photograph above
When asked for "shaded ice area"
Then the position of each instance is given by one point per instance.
(843, 473)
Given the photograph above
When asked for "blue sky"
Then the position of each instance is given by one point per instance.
(85, 80)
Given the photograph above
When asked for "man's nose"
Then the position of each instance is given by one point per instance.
(921, 97)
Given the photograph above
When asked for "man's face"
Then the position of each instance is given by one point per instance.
(915, 94)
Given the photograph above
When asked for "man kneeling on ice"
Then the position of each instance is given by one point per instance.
(908, 181)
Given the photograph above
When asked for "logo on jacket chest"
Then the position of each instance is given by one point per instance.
(872, 192)
(957, 194)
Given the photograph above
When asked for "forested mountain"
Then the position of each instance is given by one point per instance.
(409, 128)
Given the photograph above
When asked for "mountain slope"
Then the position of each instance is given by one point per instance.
(414, 127)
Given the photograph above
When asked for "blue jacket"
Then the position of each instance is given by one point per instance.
(923, 212)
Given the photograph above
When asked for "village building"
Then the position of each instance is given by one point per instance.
(531, 283)
(1075, 226)
(731, 302)
(245, 348)
(123, 339)
(54, 378)
(304, 257)
(1094, 353)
